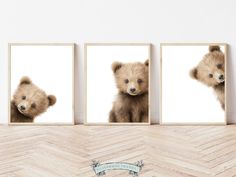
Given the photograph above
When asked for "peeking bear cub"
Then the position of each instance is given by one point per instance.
(29, 101)
(211, 72)
(131, 104)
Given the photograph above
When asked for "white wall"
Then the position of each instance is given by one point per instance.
(151, 21)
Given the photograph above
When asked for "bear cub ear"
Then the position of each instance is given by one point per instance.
(146, 62)
(213, 48)
(193, 73)
(52, 100)
(25, 80)
(115, 66)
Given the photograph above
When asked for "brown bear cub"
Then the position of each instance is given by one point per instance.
(29, 101)
(211, 72)
(131, 104)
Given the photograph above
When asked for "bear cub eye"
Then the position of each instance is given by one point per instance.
(33, 105)
(210, 75)
(23, 97)
(126, 81)
(139, 81)
(219, 66)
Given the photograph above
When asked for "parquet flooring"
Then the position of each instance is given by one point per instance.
(167, 151)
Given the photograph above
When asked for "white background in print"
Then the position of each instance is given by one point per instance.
(50, 68)
(101, 86)
(186, 100)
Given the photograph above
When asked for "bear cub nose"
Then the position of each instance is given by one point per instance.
(221, 77)
(132, 89)
(22, 108)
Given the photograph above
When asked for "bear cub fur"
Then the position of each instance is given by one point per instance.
(29, 101)
(211, 72)
(131, 104)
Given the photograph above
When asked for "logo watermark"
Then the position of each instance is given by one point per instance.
(101, 169)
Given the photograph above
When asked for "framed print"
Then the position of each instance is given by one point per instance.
(193, 81)
(41, 84)
(117, 83)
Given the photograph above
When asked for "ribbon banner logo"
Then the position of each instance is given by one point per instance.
(101, 169)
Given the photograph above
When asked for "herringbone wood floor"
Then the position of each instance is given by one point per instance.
(167, 151)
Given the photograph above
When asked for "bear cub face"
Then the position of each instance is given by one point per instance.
(30, 100)
(131, 78)
(211, 69)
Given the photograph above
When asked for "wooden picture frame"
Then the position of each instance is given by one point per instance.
(71, 54)
(86, 45)
(162, 122)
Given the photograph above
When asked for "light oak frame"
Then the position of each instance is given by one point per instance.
(160, 96)
(9, 82)
(85, 79)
